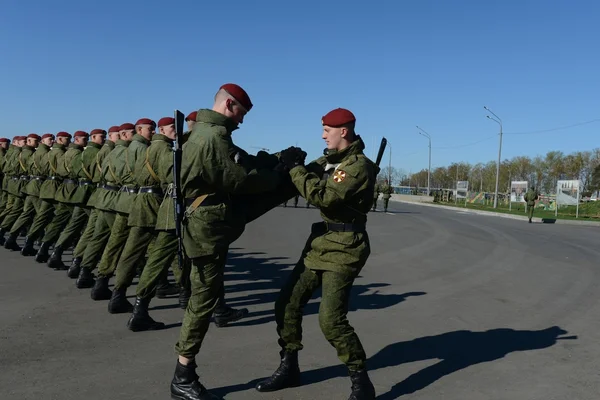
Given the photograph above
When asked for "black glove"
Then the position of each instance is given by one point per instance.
(292, 157)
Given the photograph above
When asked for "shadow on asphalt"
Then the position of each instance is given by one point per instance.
(456, 350)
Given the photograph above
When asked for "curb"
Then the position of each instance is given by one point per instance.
(504, 215)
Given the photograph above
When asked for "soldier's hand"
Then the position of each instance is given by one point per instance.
(292, 157)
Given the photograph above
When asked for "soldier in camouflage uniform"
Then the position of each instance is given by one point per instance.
(376, 196)
(530, 197)
(45, 213)
(212, 173)
(70, 218)
(341, 184)
(19, 179)
(112, 169)
(387, 191)
(4, 146)
(96, 172)
(83, 166)
(32, 189)
(6, 171)
(64, 209)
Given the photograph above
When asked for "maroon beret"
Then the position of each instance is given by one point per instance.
(114, 129)
(47, 135)
(63, 134)
(4, 140)
(126, 126)
(166, 121)
(34, 136)
(98, 132)
(191, 116)
(20, 137)
(145, 121)
(81, 134)
(239, 94)
(338, 117)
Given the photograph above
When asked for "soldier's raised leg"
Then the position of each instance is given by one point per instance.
(92, 254)
(79, 218)
(11, 217)
(42, 218)
(62, 214)
(26, 217)
(87, 236)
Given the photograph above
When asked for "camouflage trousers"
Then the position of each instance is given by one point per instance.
(13, 213)
(160, 257)
(78, 221)
(138, 242)
(530, 211)
(3, 201)
(32, 204)
(333, 311)
(62, 215)
(206, 278)
(114, 246)
(45, 212)
(95, 247)
(88, 234)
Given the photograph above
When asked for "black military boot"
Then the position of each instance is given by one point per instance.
(286, 376)
(118, 303)
(55, 260)
(100, 291)
(11, 243)
(140, 320)
(75, 267)
(226, 315)
(85, 279)
(2, 239)
(362, 388)
(184, 297)
(185, 384)
(165, 289)
(43, 255)
(28, 250)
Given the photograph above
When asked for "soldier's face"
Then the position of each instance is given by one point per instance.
(190, 125)
(114, 136)
(48, 141)
(333, 137)
(168, 131)
(127, 135)
(62, 140)
(235, 111)
(82, 141)
(4, 145)
(98, 139)
(31, 142)
(147, 131)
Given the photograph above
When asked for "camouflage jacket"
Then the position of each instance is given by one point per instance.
(97, 170)
(50, 186)
(126, 175)
(112, 169)
(84, 168)
(152, 170)
(36, 167)
(341, 184)
(69, 185)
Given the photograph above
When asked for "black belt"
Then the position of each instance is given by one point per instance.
(54, 178)
(14, 178)
(210, 200)
(38, 178)
(85, 183)
(24, 178)
(113, 188)
(151, 189)
(70, 181)
(344, 227)
(129, 190)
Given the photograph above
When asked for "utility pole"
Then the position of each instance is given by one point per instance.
(425, 134)
(499, 122)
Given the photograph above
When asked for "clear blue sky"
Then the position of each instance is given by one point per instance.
(71, 65)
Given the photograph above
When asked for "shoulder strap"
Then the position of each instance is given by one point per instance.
(112, 172)
(37, 167)
(98, 162)
(149, 167)
(127, 161)
(21, 162)
(85, 171)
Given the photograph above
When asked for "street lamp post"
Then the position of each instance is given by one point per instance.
(423, 133)
(499, 122)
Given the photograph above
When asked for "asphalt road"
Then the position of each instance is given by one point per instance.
(450, 306)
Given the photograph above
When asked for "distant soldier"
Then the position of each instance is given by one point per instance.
(387, 191)
(19, 179)
(530, 197)
(376, 196)
(4, 145)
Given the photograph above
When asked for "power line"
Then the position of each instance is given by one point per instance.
(466, 145)
(553, 129)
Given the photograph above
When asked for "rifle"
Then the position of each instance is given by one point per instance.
(177, 195)
(381, 151)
